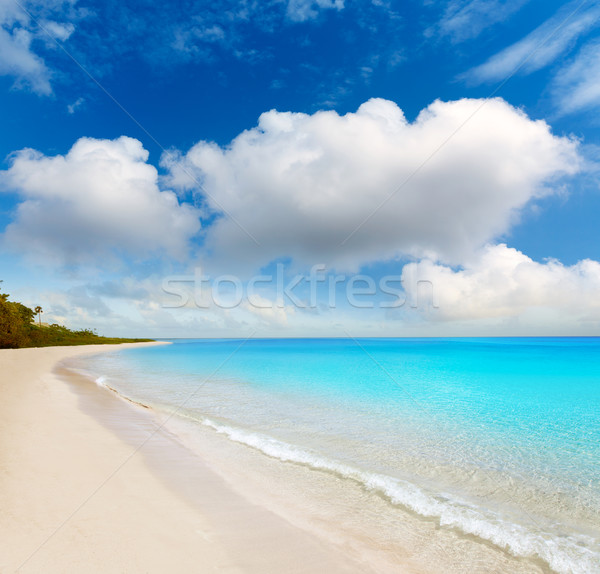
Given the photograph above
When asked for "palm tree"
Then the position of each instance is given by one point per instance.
(38, 311)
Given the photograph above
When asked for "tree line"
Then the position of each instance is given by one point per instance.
(18, 329)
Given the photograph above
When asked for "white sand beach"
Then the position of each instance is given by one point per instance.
(92, 483)
(76, 497)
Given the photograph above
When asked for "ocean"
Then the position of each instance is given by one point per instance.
(493, 439)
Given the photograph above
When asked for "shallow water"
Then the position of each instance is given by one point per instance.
(495, 438)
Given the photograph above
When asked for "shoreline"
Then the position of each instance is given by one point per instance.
(190, 495)
(341, 510)
(78, 495)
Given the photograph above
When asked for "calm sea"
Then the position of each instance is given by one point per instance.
(498, 438)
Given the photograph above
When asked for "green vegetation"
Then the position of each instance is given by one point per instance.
(17, 329)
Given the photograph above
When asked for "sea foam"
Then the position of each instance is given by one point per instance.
(568, 555)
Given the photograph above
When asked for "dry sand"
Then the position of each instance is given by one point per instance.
(77, 497)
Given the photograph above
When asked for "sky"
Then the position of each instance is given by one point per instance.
(302, 168)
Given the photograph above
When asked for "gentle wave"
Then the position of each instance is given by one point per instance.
(568, 556)
(563, 555)
(101, 382)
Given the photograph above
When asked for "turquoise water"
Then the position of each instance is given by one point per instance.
(499, 438)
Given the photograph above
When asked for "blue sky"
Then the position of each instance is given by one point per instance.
(454, 143)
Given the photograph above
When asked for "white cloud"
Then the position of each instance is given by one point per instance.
(72, 108)
(208, 34)
(466, 19)
(100, 198)
(301, 184)
(17, 59)
(302, 10)
(18, 32)
(577, 86)
(541, 47)
(503, 283)
(57, 30)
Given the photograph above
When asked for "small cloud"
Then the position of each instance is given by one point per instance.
(396, 58)
(56, 30)
(303, 10)
(210, 34)
(366, 72)
(72, 108)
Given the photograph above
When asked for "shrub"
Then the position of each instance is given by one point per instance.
(18, 330)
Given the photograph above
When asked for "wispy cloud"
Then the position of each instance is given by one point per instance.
(203, 32)
(466, 19)
(302, 10)
(18, 60)
(26, 29)
(72, 108)
(555, 37)
(577, 86)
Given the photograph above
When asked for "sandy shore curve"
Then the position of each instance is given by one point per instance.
(76, 497)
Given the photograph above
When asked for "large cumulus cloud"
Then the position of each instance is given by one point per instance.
(101, 198)
(347, 190)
